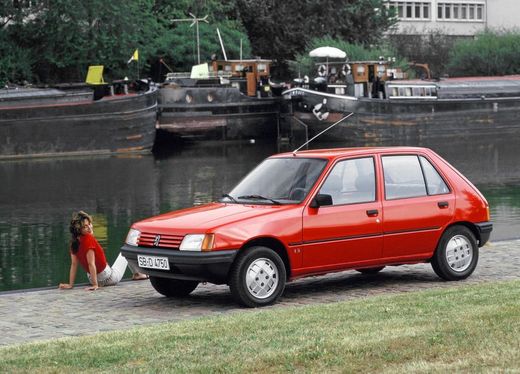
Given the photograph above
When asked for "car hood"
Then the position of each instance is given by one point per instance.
(205, 218)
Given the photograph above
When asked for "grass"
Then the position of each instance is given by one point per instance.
(464, 329)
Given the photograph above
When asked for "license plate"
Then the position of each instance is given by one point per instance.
(153, 262)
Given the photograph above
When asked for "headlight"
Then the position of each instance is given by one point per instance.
(197, 242)
(133, 237)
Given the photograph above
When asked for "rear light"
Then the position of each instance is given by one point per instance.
(488, 214)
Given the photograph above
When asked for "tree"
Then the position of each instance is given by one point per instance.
(280, 29)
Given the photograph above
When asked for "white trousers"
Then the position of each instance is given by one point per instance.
(112, 275)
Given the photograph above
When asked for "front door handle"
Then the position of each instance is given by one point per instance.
(372, 212)
(443, 204)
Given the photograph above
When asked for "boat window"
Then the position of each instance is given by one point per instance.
(262, 68)
(351, 181)
(403, 177)
(239, 67)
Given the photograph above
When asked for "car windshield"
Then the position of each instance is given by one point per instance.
(278, 181)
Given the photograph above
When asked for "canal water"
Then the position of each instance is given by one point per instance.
(38, 196)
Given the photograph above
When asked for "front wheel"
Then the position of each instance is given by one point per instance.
(456, 255)
(257, 277)
(173, 287)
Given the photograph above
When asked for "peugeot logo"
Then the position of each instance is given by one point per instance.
(156, 241)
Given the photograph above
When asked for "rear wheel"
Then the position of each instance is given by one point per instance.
(257, 277)
(173, 287)
(456, 255)
(371, 270)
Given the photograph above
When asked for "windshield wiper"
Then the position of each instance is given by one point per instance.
(259, 197)
(230, 198)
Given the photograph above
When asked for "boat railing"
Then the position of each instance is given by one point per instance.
(187, 75)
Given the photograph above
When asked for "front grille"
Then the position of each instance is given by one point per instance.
(164, 241)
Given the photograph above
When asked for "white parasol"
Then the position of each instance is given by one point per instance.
(327, 52)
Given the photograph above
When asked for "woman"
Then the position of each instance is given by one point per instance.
(86, 251)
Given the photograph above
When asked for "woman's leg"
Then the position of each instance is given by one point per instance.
(118, 270)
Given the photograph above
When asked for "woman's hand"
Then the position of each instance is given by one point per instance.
(92, 288)
(65, 286)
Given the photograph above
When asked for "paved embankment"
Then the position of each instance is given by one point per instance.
(47, 314)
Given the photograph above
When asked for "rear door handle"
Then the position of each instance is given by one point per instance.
(443, 204)
(372, 212)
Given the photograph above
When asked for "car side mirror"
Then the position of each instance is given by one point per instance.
(321, 200)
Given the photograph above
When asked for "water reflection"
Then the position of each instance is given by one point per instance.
(37, 197)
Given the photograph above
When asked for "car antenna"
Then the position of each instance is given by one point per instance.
(315, 136)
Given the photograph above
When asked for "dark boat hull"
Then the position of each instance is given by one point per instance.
(216, 113)
(116, 124)
(381, 120)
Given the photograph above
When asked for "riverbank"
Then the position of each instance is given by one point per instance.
(51, 313)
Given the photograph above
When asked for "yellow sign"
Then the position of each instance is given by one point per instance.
(95, 75)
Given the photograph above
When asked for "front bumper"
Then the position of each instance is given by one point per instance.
(199, 266)
(484, 230)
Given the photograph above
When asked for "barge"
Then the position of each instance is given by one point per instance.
(224, 100)
(77, 119)
(389, 110)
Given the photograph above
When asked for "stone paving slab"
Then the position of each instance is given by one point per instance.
(53, 313)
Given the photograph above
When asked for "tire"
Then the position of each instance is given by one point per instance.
(173, 287)
(456, 256)
(371, 270)
(257, 277)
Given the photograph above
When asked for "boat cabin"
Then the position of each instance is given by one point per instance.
(247, 75)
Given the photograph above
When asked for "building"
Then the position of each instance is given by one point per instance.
(454, 17)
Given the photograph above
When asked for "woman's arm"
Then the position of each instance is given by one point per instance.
(72, 273)
(91, 260)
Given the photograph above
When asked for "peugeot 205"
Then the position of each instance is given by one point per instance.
(314, 212)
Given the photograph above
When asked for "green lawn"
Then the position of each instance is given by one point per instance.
(466, 329)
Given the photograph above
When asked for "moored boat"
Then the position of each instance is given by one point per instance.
(388, 109)
(77, 119)
(228, 99)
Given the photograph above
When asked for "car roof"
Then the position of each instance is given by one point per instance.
(334, 153)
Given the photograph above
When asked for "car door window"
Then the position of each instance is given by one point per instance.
(403, 177)
(351, 181)
(434, 182)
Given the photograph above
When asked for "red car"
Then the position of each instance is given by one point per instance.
(314, 212)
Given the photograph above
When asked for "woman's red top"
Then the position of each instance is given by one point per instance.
(86, 243)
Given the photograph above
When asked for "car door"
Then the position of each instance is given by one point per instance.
(350, 230)
(417, 205)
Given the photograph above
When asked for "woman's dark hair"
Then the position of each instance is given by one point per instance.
(75, 229)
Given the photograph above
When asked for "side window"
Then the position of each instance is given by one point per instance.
(351, 181)
(434, 182)
(403, 177)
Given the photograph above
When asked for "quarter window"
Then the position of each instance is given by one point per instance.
(351, 181)
(434, 182)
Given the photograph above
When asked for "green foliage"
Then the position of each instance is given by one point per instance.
(63, 37)
(305, 65)
(434, 48)
(490, 53)
(281, 29)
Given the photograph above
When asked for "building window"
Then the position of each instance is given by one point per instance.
(460, 11)
(410, 10)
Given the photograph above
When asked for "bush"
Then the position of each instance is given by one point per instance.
(490, 53)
